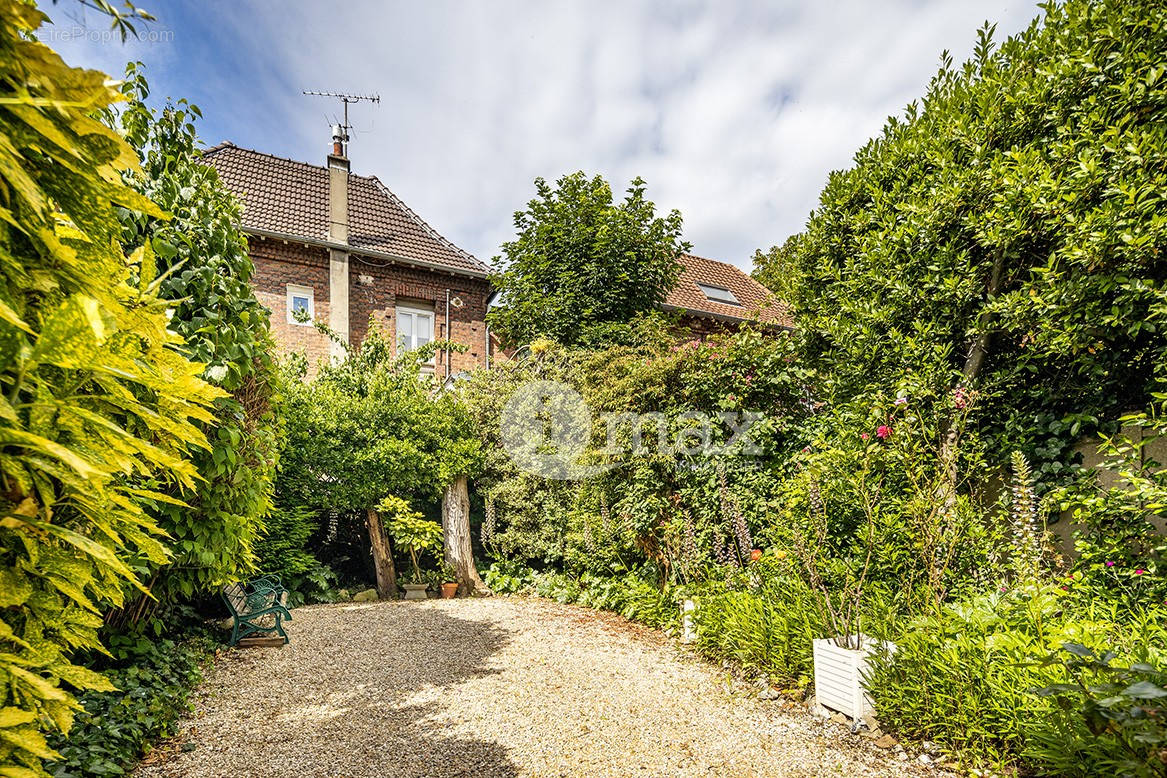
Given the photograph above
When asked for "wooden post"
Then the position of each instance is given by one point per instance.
(382, 556)
(456, 529)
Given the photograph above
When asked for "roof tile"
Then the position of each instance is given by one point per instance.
(288, 197)
(755, 299)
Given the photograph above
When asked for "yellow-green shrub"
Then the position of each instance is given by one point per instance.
(99, 410)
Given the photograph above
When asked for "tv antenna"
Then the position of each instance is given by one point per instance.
(346, 99)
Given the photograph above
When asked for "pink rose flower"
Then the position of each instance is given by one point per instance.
(884, 432)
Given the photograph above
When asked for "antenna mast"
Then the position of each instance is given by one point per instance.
(346, 99)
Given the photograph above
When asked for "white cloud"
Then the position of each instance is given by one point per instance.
(735, 112)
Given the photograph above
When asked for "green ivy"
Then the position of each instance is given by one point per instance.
(154, 677)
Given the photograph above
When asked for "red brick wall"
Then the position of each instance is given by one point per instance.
(278, 264)
(375, 289)
(701, 327)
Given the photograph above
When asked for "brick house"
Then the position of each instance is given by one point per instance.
(714, 296)
(343, 247)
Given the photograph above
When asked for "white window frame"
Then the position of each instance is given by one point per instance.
(705, 288)
(415, 311)
(297, 290)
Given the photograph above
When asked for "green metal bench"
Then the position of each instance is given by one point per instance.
(257, 607)
(270, 582)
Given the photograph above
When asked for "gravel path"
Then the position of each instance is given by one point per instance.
(492, 687)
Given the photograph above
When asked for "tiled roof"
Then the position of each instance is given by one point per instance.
(755, 299)
(291, 198)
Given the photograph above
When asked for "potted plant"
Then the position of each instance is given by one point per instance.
(449, 581)
(418, 535)
(415, 585)
(837, 581)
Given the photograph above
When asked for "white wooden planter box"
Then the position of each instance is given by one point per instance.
(688, 627)
(839, 674)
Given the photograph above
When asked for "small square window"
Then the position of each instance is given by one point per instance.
(718, 294)
(300, 298)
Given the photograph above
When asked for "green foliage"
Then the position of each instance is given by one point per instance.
(1118, 535)
(633, 595)
(410, 530)
(205, 270)
(367, 428)
(764, 621)
(669, 509)
(507, 577)
(100, 408)
(282, 549)
(1016, 211)
(363, 430)
(1108, 719)
(154, 677)
(966, 678)
(582, 262)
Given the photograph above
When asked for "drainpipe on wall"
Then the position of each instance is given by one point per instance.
(449, 332)
(338, 259)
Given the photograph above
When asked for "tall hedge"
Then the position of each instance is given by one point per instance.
(99, 409)
(203, 258)
(1005, 234)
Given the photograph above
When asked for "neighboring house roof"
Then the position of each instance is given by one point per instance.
(287, 198)
(717, 278)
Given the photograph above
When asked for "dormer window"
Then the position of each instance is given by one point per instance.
(718, 294)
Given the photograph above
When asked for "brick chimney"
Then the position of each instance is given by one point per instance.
(338, 258)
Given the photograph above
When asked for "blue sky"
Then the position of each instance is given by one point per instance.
(734, 112)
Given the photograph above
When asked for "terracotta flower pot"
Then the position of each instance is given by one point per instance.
(449, 590)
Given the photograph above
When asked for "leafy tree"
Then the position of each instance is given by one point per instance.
(1005, 235)
(671, 510)
(367, 428)
(580, 260)
(206, 271)
(100, 408)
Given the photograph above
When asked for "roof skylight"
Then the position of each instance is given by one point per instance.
(718, 294)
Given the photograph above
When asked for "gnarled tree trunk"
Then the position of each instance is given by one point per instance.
(456, 528)
(382, 556)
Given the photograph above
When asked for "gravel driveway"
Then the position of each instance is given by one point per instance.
(492, 687)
